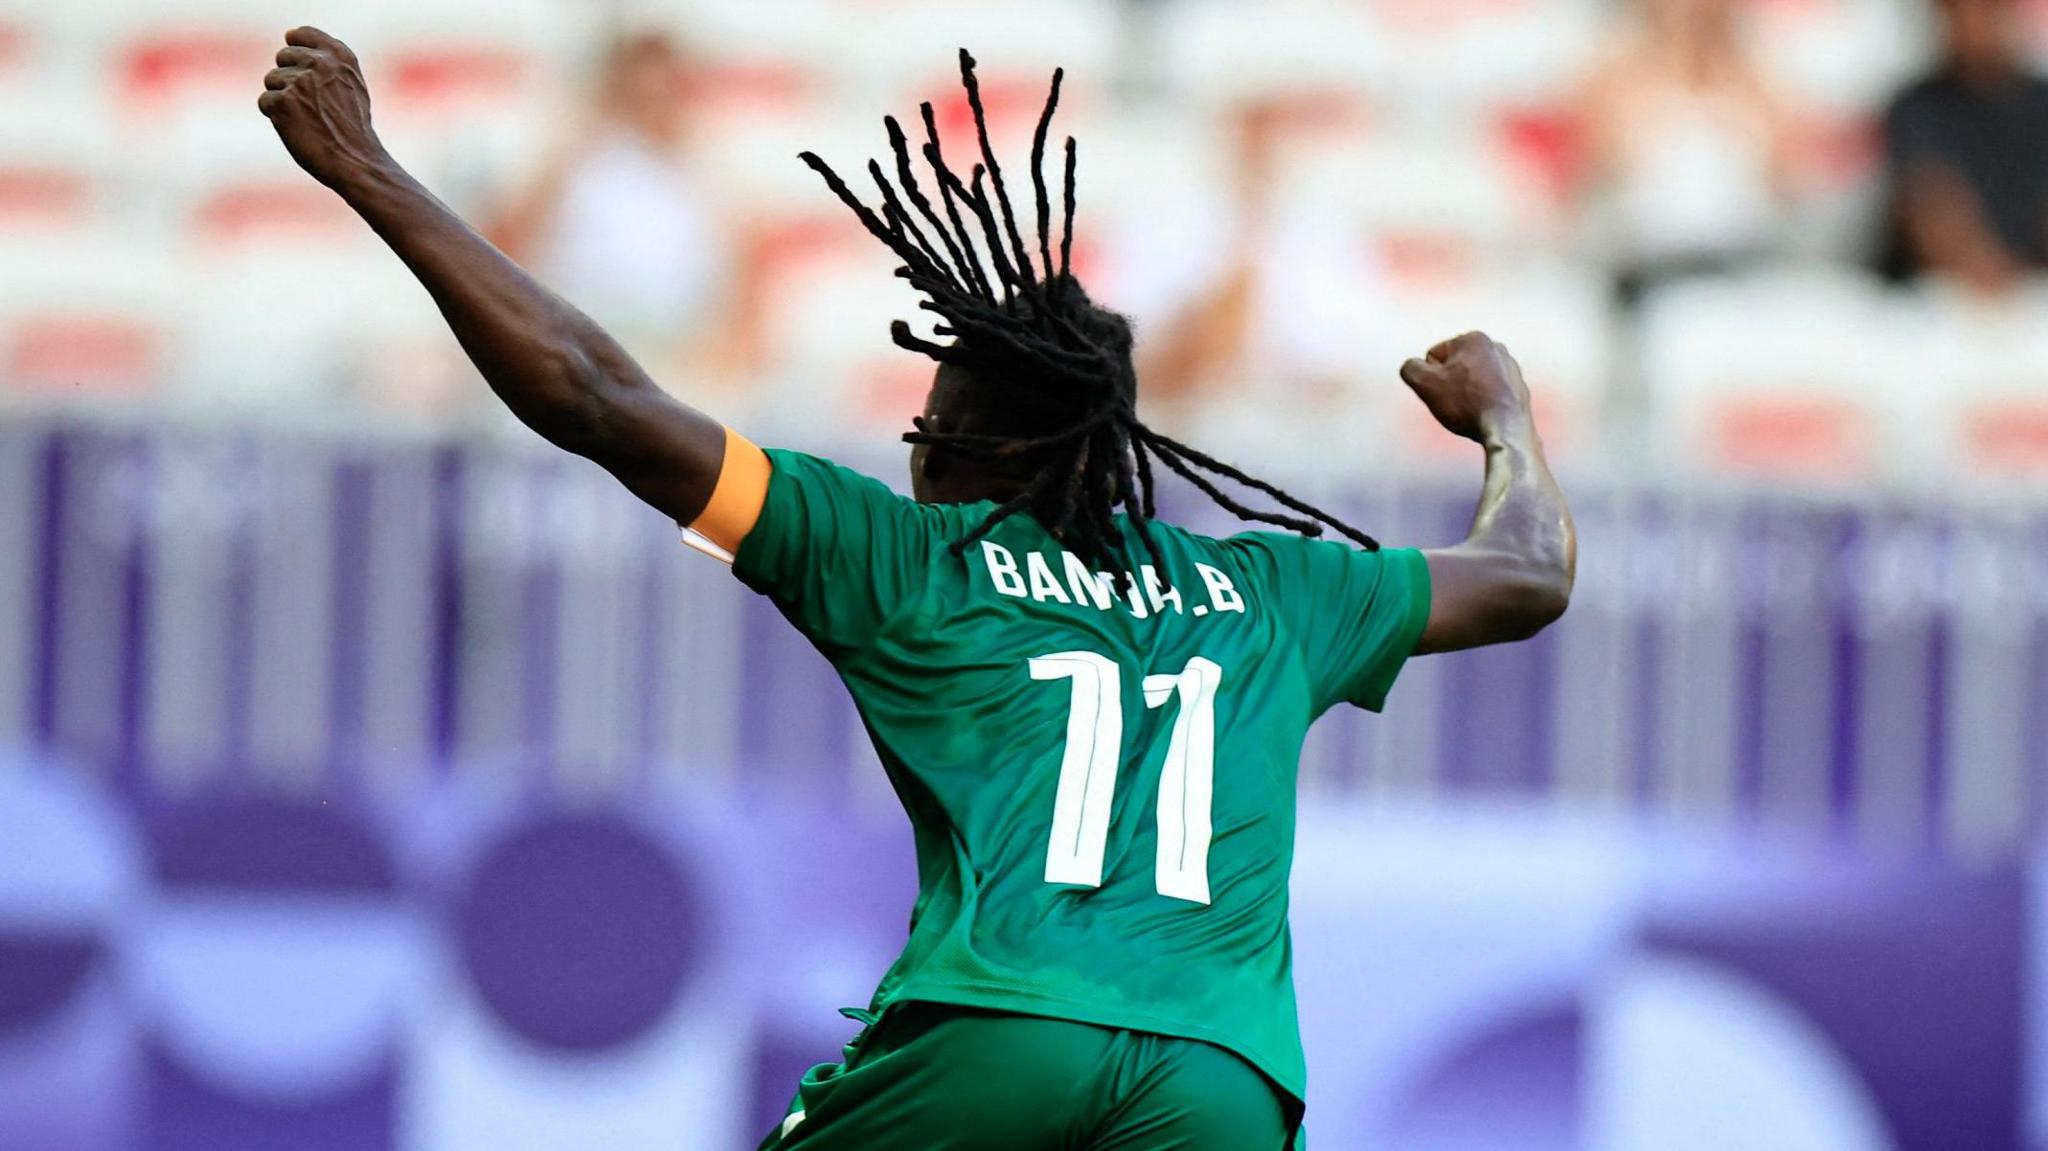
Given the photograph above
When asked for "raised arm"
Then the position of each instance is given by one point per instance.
(560, 373)
(1512, 577)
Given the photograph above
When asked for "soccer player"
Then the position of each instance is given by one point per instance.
(1092, 718)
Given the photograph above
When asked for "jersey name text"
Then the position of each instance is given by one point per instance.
(1143, 593)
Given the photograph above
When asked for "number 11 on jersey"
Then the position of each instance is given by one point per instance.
(1088, 769)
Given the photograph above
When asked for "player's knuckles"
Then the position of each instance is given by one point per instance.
(1423, 376)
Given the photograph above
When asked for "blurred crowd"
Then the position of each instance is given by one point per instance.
(1801, 236)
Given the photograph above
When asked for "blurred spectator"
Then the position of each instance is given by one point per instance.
(1967, 147)
(1688, 162)
(1238, 286)
(620, 225)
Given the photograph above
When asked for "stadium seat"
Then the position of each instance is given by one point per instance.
(459, 64)
(31, 51)
(55, 168)
(44, 44)
(815, 38)
(1474, 55)
(1015, 42)
(1137, 155)
(1772, 376)
(1437, 208)
(275, 333)
(1969, 381)
(168, 70)
(84, 319)
(1227, 51)
(1539, 142)
(227, 183)
(835, 368)
(17, 45)
(752, 162)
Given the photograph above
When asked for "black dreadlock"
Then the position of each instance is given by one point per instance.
(1065, 362)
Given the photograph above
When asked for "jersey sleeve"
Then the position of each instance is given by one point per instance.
(1355, 616)
(838, 552)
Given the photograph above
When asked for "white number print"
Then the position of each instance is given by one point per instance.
(1087, 784)
(1186, 780)
(1095, 736)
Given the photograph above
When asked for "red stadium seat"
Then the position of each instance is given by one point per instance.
(17, 40)
(1794, 434)
(2008, 437)
(163, 70)
(437, 81)
(749, 88)
(39, 198)
(63, 351)
(1542, 145)
(290, 210)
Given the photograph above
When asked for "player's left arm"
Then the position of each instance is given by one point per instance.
(1512, 576)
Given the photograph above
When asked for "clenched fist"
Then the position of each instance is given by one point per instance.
(1471, 385)
(317, 101)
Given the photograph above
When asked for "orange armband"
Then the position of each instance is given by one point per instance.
(735, 502)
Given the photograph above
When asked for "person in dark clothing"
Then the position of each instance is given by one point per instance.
(1967, 157)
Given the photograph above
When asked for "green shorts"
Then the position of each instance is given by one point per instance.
(930, 1077)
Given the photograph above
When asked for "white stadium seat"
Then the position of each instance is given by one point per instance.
(1223, 51)
(1464, 57)
(1774, 376)
(897, 40)
(57, 170)
(1969, 379)
(277, 331)
(84, 319)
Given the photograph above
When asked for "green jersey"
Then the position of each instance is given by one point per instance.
(1099, 770)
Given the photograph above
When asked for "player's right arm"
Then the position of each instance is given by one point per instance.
(560, 373)
(1512, 575)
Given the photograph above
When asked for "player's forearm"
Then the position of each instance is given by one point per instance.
(1524, 529)
(558, 371)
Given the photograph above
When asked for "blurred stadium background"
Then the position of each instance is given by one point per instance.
(376, 779)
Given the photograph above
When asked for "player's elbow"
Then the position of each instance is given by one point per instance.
(1548, 603)
(1531, 595)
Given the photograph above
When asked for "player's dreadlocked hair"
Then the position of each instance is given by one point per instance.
(1063, 363)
